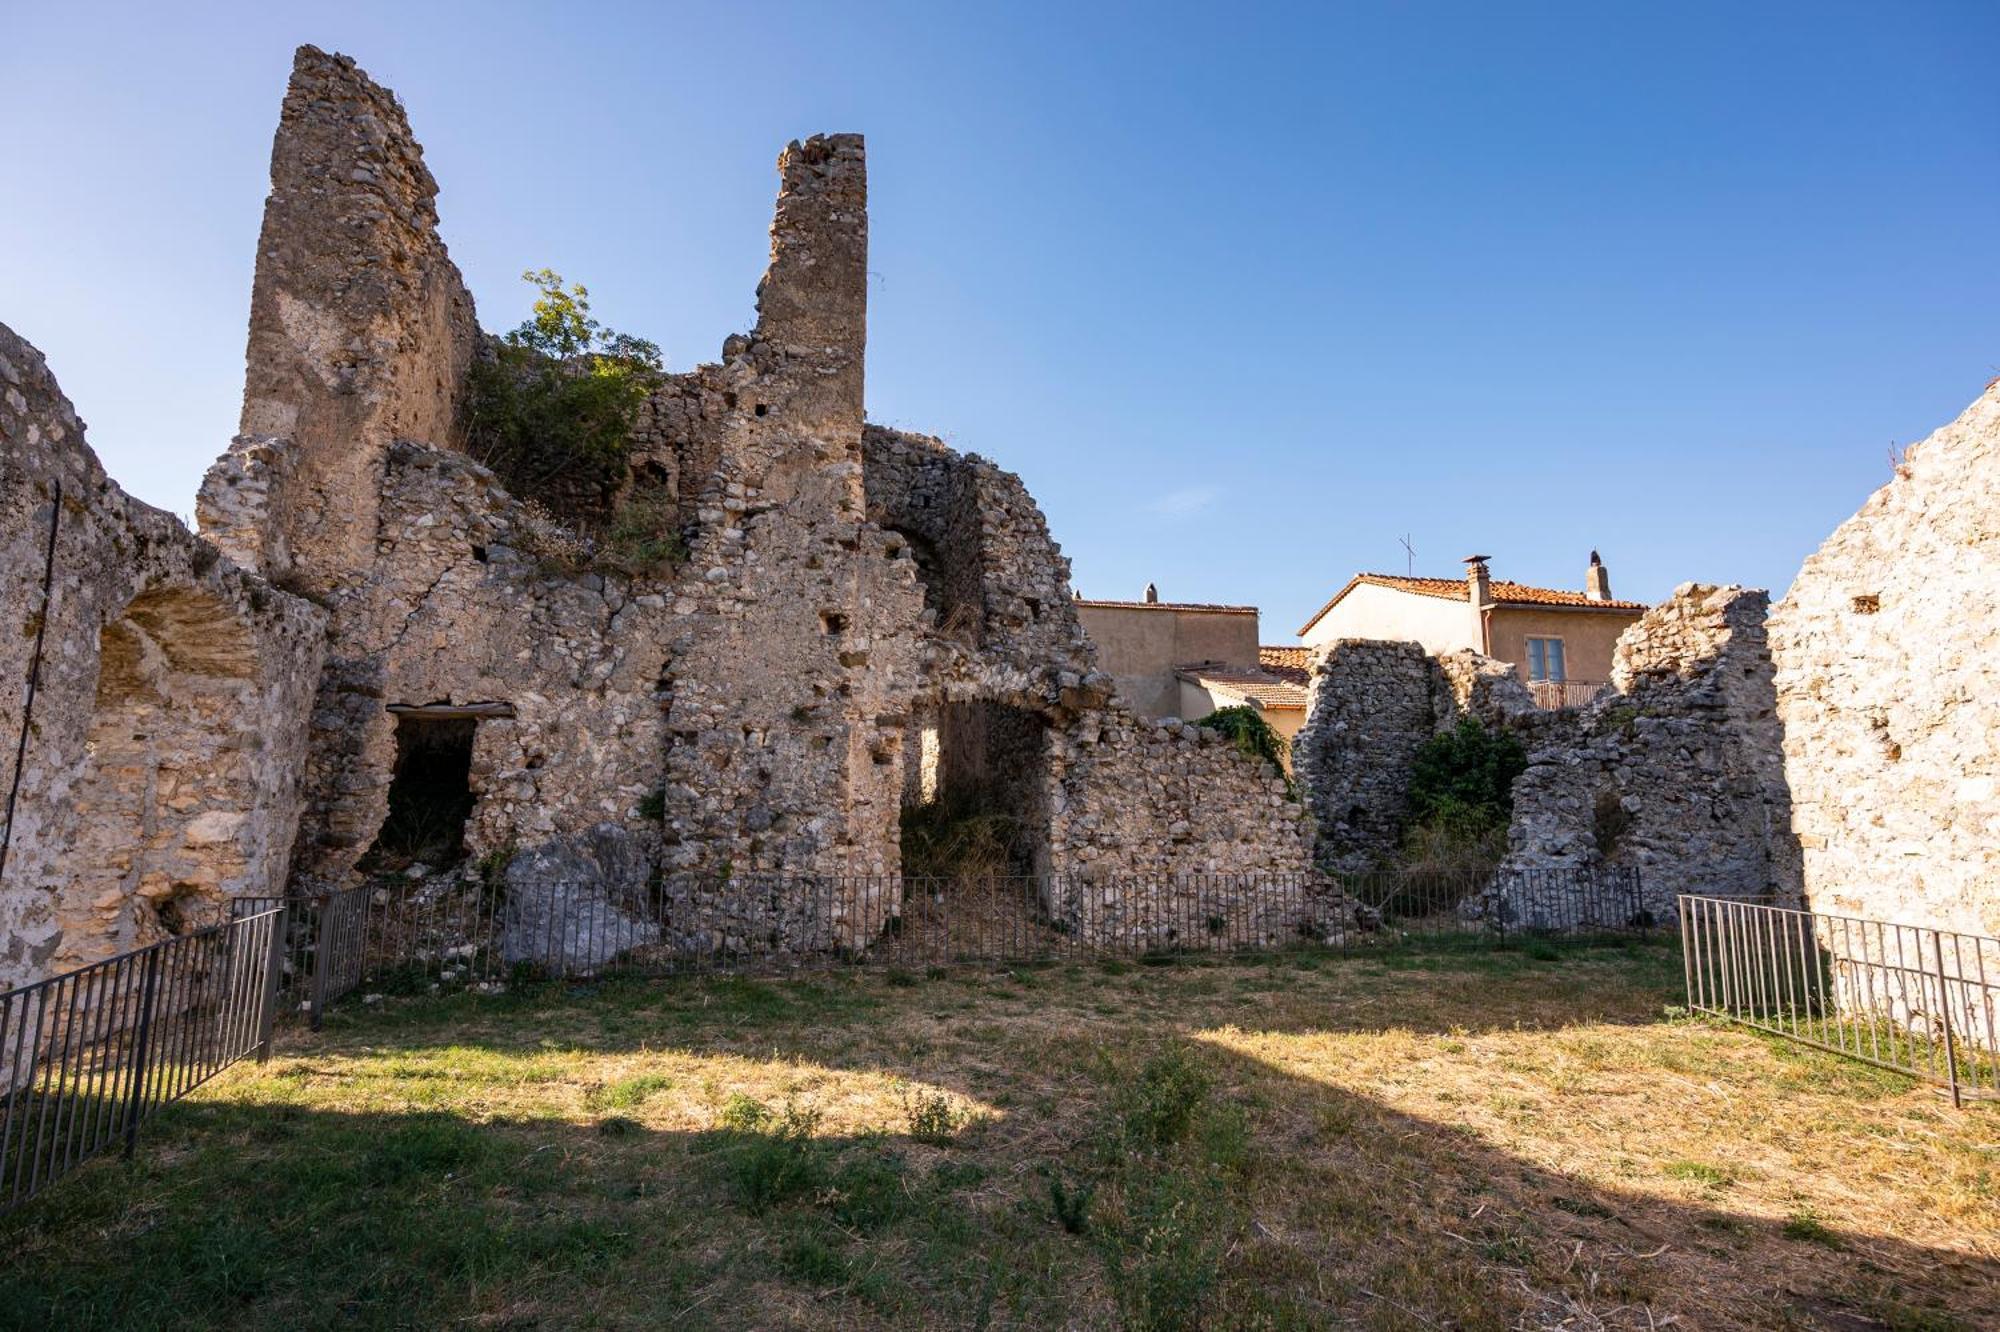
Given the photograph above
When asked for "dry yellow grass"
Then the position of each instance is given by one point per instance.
(1466, 1141)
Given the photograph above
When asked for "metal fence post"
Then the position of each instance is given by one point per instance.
(273, 962)
(322, 913)
(141, 1049)
(1944, 1016)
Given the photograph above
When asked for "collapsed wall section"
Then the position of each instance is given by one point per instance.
(1675, 772)
(790, 676)
(152, 770)
(447, 598)
(751, 714)
(994, 579)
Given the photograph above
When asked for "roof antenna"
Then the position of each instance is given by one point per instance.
(1410, 551)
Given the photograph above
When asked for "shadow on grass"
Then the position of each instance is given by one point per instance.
(1245, 1197)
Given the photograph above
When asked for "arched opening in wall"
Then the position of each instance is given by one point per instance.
(165, 795)
(976, 793)
(430, 793)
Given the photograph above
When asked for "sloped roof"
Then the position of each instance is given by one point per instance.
(1453, 589)
(1286, 661)
(1251, 683)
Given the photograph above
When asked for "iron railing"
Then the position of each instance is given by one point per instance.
(86, 1057)
(402, 936)
(1911, 998)
(1555, 695)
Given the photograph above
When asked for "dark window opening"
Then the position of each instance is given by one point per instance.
(430, 796)
(763, 409)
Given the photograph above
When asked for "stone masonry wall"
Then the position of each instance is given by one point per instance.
(1674, 771)
(1371, 705)
(1888, 681)
(752, 712)
(160, 758)
(360, 332)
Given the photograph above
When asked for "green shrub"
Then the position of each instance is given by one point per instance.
(552, 410)
(1164, 1251)
(1461, 800)
(1253, 735)
(933, 1117)
(774, 1157)
(1071, 1205)
(1159, 1106)
(644, 536)
(1466, 776)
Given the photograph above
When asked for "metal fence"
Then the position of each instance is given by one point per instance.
(413, 936)
(1918, 1000)
(87, 1056)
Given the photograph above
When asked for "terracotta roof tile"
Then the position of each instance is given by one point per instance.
(1286, 662)
(1253, 683)
(1453, 589)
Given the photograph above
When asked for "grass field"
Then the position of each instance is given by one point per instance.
(1424, 1141)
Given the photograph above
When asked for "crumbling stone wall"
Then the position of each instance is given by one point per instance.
(1675, 771)
(360, 333)
(1371, 705)
(749, 716)
(159, 755)
(1888, 682)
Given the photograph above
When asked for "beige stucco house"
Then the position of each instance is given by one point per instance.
(1187, 659)
(1559, 640)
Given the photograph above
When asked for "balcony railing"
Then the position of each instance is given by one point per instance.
(1556, 695)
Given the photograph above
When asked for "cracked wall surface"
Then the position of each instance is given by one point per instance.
(161, 749)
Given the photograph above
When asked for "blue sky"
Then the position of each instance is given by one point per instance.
(1245, 293)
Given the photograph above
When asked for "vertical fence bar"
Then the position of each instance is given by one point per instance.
(274, 926)
(148, 988)
(1944, 1017)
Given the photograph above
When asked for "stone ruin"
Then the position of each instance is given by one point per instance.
(1888, 686)
(153, 696)
(866, 619)
(1672, 770)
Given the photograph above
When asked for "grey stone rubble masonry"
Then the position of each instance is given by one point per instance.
(161, 773)
(576, 902)
(1371, 705)
(1674, 770)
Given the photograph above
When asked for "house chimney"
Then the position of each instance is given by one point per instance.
(1479, 594)
(1152, 595)
(1596, 581)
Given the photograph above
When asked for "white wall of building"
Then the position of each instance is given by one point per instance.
(1373, 611)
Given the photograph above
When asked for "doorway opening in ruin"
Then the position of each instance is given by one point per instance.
(430, 795)
(975, 793)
